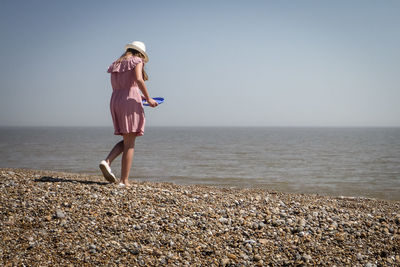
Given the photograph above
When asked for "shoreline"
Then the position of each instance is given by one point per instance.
(265, 187)
(64, 218)
(276, 187)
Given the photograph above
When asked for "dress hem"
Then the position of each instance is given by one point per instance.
(136, 133)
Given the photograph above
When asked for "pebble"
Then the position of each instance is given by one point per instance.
(224, 262)
(223, 220)
(257, 257)
(249, 247)
(232, 256)
(244, 256)
(260, 263)
(306, 257)
(165, 224)
(298, 257)
(263, 241)
(60, 214)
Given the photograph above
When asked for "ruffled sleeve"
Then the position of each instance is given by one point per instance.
(124, 65)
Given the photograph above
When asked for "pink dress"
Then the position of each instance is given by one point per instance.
(126, 101)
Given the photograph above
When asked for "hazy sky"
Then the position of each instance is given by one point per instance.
(217, 63)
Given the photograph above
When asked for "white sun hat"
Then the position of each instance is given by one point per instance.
(139, 46)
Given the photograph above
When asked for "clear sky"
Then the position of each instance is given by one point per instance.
(217, 63)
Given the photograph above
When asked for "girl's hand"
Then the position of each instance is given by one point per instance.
(152, 103)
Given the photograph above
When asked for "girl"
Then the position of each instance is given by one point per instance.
(127, 78)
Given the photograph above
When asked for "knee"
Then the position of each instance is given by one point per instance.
(129, 145)
(129, 141)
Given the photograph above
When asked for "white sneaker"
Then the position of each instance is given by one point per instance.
(106, 170)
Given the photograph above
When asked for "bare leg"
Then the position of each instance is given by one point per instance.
(127, 157)
(115, 152)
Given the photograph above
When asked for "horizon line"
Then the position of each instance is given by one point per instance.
(202, 126)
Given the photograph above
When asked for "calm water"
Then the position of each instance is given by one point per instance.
(329, 161)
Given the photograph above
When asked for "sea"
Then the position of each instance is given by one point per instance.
(349, 162)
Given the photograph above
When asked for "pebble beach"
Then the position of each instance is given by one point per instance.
(65, 219)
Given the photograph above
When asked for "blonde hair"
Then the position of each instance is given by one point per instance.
(133, 52)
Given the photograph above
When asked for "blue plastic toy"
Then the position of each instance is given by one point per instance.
(159, 100)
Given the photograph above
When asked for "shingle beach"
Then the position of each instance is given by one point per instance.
(64, 219)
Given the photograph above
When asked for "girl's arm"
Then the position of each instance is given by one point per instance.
(142, 85)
